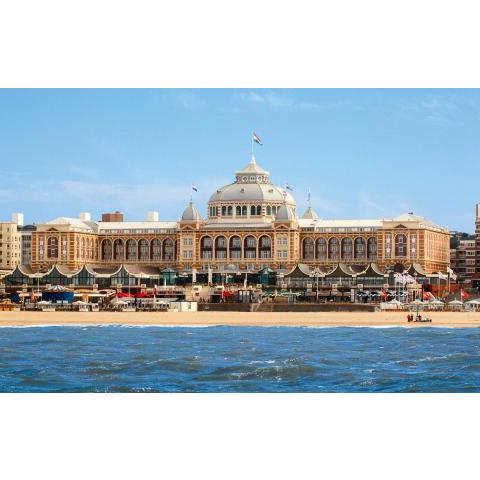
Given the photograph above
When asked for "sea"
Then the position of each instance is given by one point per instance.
(238, 359)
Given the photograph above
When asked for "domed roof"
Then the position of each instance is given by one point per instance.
(245, 192)
(285, 213)
(310, 214)
(252, 185)
(253, 167)
(190, 214)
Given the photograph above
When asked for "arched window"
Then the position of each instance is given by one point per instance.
(106, 250)
(206, 248)
(168, 250)
(90, 248)
(274, 210)
(308, 248)
(347, 249)
(359, 251)
(269, 210)
(252, 211)
(238, 211)
(143, 250)
(401, 245)
(333, 249)
(82, 248)
(229, 211)
(259, 210)
(265, 247)
(372, 248)
(156, 250)
(244, 211)
(224, 211)
(321, 249)
(52, 247)
(221, 248)
(131, 250)
(250, 247)
(118, 250)
(235, 248)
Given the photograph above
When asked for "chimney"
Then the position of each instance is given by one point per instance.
(152, 217)
(17, 218)
(85, 217)
(112, 217)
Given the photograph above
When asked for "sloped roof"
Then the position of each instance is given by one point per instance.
(64, 270)
(417, 269)
(328, 223)
(74, 222)
(142, 270)
(136, 225)
(300, 270)
(373, 270)
(341, 270)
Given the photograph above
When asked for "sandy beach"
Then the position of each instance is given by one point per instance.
(330, 319)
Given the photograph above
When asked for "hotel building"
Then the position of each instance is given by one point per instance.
(251, 224)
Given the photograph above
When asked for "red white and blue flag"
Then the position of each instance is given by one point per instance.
(194, 188)
(257, 139)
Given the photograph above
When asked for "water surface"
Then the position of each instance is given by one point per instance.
(239, 359)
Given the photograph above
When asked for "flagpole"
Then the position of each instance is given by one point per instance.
(252, 145)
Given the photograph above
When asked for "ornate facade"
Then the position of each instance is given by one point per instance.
(251, 224)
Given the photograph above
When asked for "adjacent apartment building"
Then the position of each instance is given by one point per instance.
(15, 242)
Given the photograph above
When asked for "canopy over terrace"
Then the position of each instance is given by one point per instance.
(372, 276)
(88, 276)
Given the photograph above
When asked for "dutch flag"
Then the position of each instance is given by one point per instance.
(194, 188)
(257, 139)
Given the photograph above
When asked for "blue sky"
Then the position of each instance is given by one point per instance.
(362, 153)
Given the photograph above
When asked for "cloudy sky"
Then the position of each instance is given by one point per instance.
(362, 153)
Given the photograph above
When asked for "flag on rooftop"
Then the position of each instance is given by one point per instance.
(288, 187)
(257, 139)
(194, 188)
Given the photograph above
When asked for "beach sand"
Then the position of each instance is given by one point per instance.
(319, 319)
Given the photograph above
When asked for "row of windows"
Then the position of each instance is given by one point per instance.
(321, 249)
(242, 210)
(143, 250)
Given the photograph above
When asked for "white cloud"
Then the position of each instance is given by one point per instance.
(441, 109)
(279, 100)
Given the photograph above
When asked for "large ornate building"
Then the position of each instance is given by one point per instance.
(251, 224)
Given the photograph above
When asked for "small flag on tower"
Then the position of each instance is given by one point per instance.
(288, 187)
(257, 139)
(194, 188)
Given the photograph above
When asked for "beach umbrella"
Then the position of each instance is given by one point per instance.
(416, 302)
(395, 302)
(455, 302)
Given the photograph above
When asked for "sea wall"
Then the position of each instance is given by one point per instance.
(286, 307)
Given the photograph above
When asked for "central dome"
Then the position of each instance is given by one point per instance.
(251, 195)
